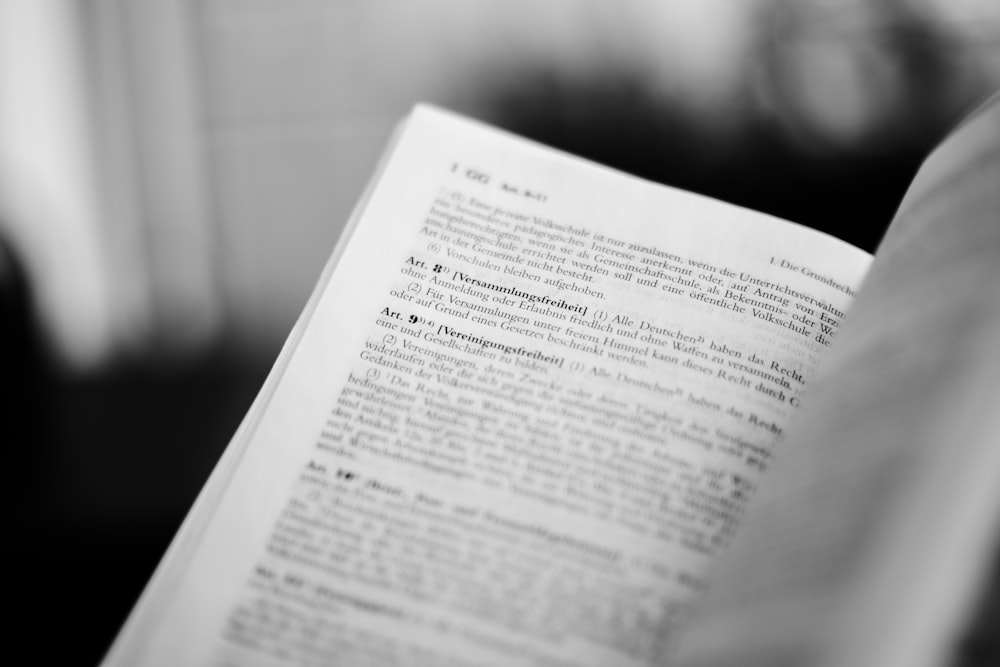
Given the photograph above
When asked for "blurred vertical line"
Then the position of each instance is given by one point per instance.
(49, 206)
(157, 96)
(210, 170)
(112, 113)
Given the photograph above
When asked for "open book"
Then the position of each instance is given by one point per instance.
(538, 412)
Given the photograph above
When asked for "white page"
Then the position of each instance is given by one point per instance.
(868, 545)
(523, 415)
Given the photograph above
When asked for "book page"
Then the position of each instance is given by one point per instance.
(521, 415)
(878, 525)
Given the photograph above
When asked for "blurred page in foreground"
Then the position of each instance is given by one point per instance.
(868, 547)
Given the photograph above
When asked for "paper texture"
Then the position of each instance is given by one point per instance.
(519, 420)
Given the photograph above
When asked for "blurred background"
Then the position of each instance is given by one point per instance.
(174, 173)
